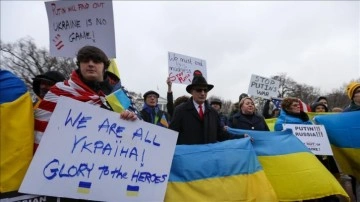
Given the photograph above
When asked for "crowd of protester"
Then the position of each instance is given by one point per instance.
(196, 119)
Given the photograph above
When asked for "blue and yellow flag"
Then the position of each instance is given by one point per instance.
(225, 171)
(293, 171)
(16, 131)
(118, 100)
(343, 130)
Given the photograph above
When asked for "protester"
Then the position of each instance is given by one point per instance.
(170, 98)
(323, 100)
(247, 118)
(353, 92)
(88, 83)
(319, 107)
(43, 82)
(337, 109)
(235, 107)
(195, 120)
(180, 100)
(275, 112)
(291, 114)
(151, 112)
(217, 104)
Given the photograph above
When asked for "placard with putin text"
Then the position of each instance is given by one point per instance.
(74, 24)
(313, 136)
(90, 153)
(182, 68)
(263, 87)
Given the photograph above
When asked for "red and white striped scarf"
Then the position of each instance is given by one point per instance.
(73, 88)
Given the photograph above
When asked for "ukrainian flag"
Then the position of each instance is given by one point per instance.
(343, 130)
(163, 121)
(118, 101)
(132, 190)
(225, 171)
(84, 187)
(16, 131)
(294, 172)
(271, 123)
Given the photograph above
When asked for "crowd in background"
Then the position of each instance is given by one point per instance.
(196, 119)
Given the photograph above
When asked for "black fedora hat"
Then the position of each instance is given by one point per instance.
(198, 80)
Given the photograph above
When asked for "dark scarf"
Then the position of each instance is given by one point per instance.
(302, 115)
(153, 112)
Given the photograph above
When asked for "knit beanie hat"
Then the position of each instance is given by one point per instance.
(351, 89)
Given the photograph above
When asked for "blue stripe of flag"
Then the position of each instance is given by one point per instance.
(272, 143)
(83, 184)
(213, 160)
(132, 188)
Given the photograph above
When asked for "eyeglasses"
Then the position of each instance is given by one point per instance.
(199, 90)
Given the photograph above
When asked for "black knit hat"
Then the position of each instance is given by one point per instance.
(314, 105)
(53, 76)
(216, 101)
(198, 80)
(242, 96)
(151, 92)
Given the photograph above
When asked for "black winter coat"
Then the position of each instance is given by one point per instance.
(248, 122)
(192, 130)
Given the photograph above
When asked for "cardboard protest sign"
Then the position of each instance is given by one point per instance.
(313, 136)
(90, 153)
(182, 67)
(263, 87)
(74, 24)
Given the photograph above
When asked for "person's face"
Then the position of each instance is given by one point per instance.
(45, 86)
(151, 100)
(356, 97)
(276, 113)
(248, 107)
(199, 94)
(294, 108)
(92, 70)
(323, 101)
(320, 109)
(216, 107)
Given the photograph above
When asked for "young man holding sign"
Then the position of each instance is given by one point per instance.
(89, 83)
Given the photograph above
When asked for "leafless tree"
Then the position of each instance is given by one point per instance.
(26, 60)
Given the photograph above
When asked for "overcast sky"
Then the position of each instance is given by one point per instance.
(314, 43)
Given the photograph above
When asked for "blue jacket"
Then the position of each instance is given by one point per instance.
(285, 118)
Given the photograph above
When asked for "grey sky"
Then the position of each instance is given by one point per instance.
(315, 43)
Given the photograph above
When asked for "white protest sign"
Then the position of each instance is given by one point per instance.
(182, 67)
(263, 87)
(313, 136)
(90, 153)
(74, 24)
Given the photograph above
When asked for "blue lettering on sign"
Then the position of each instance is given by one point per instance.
(148, 177)
(139, 134)
(104, 148)
(80, 120)
(113, 128)
(54, 169)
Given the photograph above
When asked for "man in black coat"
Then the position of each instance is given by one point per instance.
(193, 127)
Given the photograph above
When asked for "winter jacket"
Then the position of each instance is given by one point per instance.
(193, 130)
(287, 118)
(248, 122)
